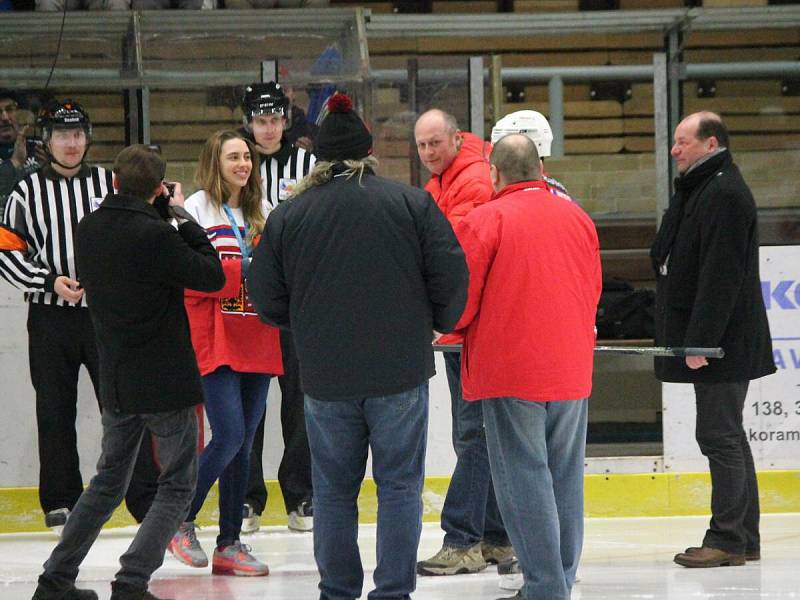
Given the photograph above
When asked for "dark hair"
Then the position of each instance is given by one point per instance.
(516, 158)
(710, 126)
(139, 170)
(9, 94)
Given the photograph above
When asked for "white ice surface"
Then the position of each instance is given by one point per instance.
(623, 559)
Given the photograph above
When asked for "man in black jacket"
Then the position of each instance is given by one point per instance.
(362, 269)
(134, 265)
(709, 294)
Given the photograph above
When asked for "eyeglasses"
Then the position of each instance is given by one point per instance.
(9, 109)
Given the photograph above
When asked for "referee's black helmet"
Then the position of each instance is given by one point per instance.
(63, 115)
(263, 99)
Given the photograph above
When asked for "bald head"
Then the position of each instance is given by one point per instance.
(698, 135)
(438, 140)
(514, 159)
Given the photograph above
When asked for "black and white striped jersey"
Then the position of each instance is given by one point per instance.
(281, 171)
(45, 208)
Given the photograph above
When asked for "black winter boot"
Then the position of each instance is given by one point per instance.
(52, 590)
(126, 591)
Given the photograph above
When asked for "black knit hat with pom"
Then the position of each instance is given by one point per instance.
(342, 134)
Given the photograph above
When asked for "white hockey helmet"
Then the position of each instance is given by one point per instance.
(528, 122)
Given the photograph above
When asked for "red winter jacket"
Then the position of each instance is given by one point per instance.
(466, 183)
(534, 271)
(462, 186)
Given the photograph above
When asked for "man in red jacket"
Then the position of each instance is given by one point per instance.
(534, 266)
(474, 531)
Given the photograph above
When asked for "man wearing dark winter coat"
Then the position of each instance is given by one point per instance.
(362, 269)
(709, 294)
(134, 266)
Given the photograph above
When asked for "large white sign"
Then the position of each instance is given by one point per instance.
(772, 409)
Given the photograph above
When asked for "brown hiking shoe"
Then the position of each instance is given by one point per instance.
(706, 557)
(494, 554)
(749, 555)
(451, 560)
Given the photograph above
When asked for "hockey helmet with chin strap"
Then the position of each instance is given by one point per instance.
(63, 115)
(529, 123)
(264, 99)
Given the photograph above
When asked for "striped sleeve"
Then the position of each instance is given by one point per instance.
(18, 267)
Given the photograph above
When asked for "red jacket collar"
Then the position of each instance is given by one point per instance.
(521, 185)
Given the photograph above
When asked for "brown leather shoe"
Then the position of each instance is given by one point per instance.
(706, 557)
(749, 555)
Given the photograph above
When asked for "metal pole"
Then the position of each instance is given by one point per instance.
(676, 73)
(269, 70)
(476, 105)
(496, 81)
(662, 132)
(555, 93)
(144, 112)
(413, 106)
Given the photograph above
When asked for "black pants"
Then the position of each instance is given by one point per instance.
(294, 472)
(734, 489)
(60, 340)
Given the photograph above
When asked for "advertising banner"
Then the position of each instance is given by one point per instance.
(772, 408)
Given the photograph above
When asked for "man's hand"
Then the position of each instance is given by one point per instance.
(176, 198)
(436, 336)
(20, 155)
(69, 289)
(695, 362)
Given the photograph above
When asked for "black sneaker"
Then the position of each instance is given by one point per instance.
(56, 519)
(48, 590)
(126, 591)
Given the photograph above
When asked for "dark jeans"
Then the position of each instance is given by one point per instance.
(341, 433)
(235, 402)
(294, 472)
(60, 340)
(537, 450)
(175, 433)
(470, 513)
(734, 489)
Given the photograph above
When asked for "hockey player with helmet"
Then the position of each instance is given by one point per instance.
(535, 126)
(266, 111)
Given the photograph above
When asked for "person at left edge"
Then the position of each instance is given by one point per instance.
(45, 208)
(135, 266)
(236, 352)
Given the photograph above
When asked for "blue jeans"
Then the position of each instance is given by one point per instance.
(470, 512)
(340, 434)
(234, 403)
(175, 435)
(537, 452)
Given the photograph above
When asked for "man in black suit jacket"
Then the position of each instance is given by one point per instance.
(708, 293)
(134, 266)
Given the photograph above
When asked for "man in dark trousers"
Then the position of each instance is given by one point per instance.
(708, 293)
(45, 208)
(362, 269)
(134, 265)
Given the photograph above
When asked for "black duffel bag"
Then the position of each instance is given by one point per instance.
(624, 312)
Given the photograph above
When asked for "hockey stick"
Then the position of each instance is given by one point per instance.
(642, 350)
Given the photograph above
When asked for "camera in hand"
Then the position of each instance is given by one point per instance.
(161, 203)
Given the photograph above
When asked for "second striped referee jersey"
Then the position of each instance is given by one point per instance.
(45, 209)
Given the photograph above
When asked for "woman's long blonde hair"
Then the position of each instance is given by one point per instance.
(209, 178)
(323, 172)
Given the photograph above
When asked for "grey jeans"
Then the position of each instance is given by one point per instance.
(175, 435)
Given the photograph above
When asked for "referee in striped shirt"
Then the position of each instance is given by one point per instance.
(44, 209)
(283, 164)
